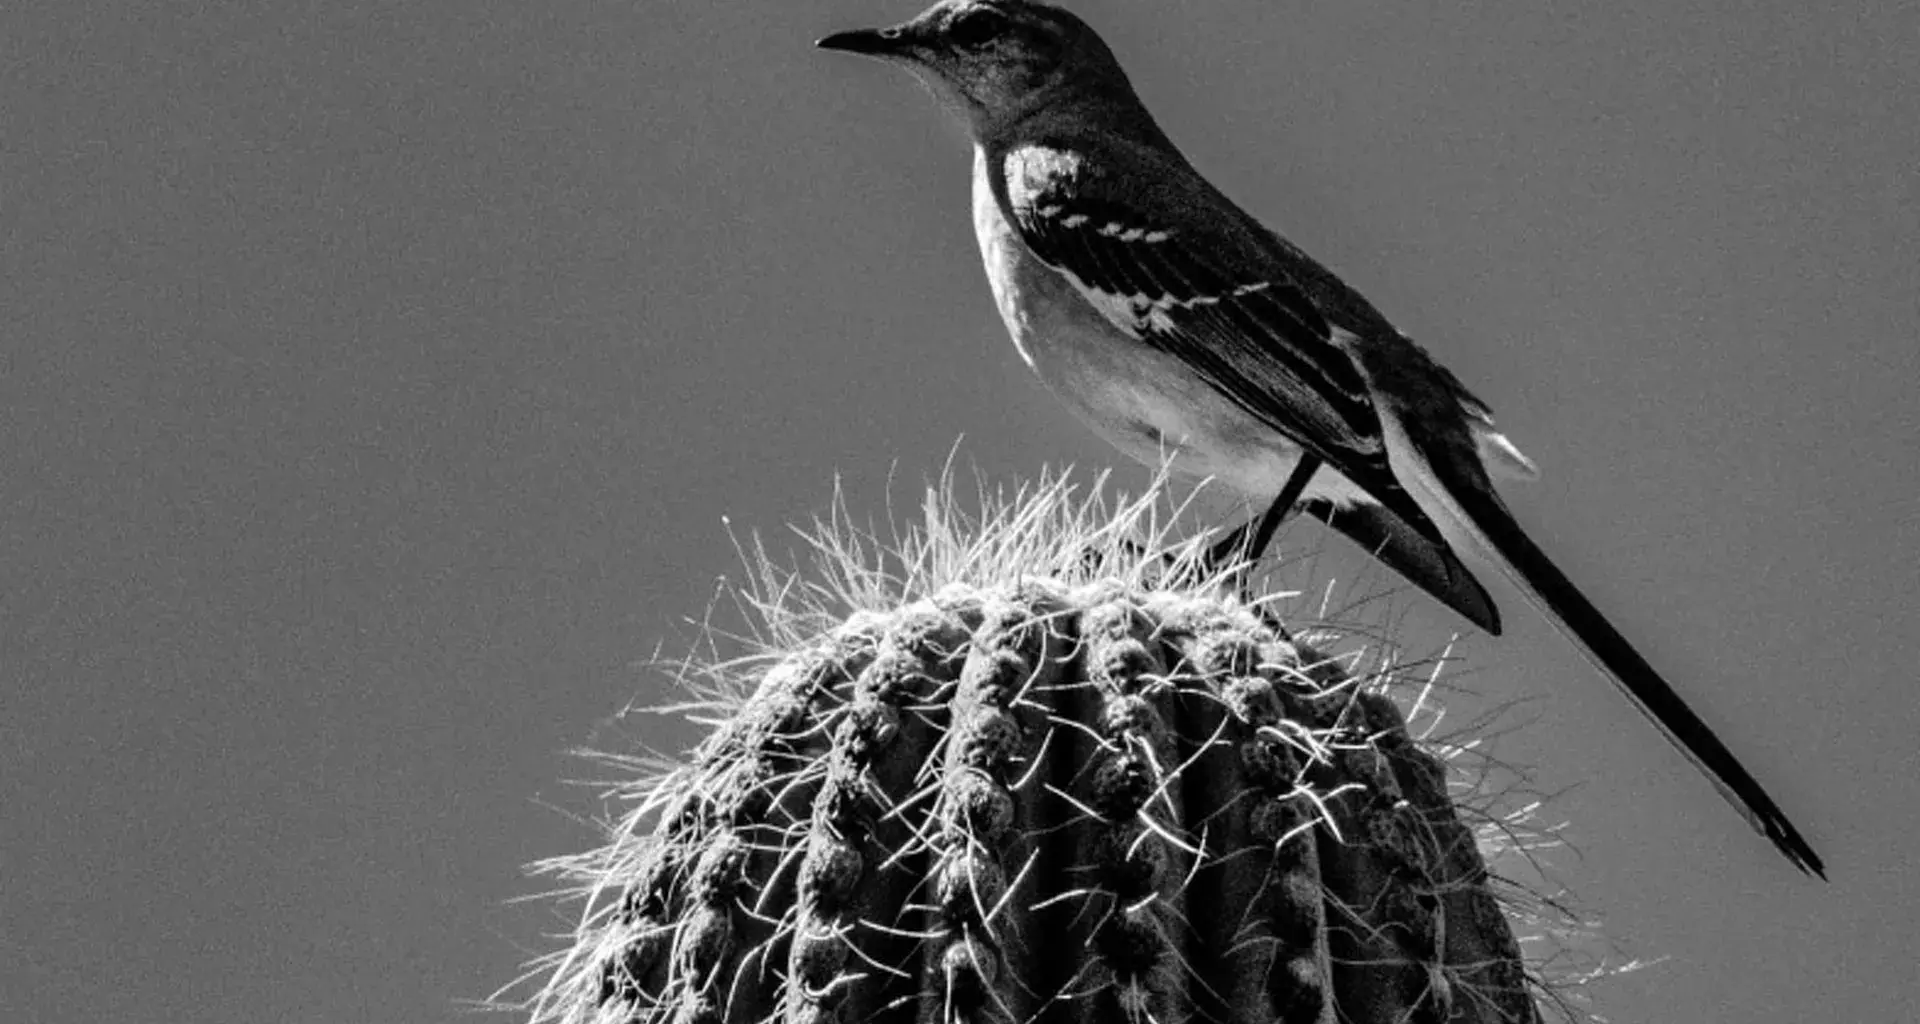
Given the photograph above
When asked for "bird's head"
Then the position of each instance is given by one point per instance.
(993, 61)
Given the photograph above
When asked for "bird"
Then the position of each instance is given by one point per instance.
(1168, 319)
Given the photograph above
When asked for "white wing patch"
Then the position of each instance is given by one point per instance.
(1031, 171)
(1137, 314)
(1120, 231)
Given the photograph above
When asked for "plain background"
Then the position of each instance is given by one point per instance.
(376, 375)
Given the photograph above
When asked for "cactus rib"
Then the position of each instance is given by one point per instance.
(1033, 802)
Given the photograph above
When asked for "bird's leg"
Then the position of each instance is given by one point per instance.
(1249, 541)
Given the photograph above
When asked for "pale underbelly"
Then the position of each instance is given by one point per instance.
(1150, 405)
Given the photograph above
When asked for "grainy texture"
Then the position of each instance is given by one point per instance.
(1040, 804)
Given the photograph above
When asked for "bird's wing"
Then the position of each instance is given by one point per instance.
(1217, 293)
(1163, 276)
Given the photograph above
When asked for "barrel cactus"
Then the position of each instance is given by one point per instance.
(1015, 783)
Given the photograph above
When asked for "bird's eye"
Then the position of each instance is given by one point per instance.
(977, 27)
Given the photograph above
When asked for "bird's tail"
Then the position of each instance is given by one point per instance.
(1472, 517)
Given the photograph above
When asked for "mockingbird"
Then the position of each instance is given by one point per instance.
(1168, 318)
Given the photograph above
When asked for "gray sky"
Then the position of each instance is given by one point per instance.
(374, 377)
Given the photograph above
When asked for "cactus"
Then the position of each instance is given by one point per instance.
(1071, 794)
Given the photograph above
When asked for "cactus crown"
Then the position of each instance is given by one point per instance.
(996, 770)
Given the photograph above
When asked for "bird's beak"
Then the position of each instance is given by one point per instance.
(873, 42)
